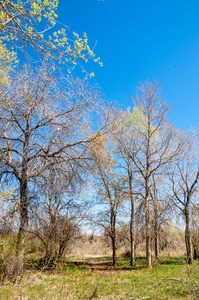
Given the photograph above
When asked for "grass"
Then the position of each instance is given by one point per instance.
(97, 279)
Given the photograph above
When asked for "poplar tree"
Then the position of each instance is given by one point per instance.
(155, 145)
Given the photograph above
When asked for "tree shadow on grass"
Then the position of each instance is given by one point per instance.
(100, 264)
(181, 260)
(103, 265)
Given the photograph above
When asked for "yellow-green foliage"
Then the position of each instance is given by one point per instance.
(6, 193)
(25, 23)
(139, 121)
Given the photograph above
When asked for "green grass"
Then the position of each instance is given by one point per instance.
(99, 280)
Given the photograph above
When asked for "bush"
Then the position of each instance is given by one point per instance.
(11, 259)
(55, 237)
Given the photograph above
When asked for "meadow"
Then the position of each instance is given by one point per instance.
(96, 278)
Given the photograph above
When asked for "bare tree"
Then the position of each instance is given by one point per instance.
(109, 190)
(57, 209)
(155, 143)
(124, 139)
(45, 119)
(184, 176)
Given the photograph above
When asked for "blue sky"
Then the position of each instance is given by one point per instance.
(140, 40)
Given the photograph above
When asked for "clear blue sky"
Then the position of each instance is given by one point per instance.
(140, 40)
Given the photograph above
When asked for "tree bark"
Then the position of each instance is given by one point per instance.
(132, 236)
(188, 237)
(148, 227)
(24, 190)
(132, 241)
(156, 238)
(23, 205)
(156, 245)
(114, 256)
(113, 237)
(148, 239)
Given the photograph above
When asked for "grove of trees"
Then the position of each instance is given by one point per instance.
(60, 139)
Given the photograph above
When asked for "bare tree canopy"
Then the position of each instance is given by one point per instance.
(183, 180)
(44, 119)
(155, 145)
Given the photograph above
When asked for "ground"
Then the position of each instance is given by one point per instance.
(95, 278)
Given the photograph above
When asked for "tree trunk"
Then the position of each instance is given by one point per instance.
(24, 192)
(132, 241)
(148, 227)
(132, 238)
(23, 226)
(148, 241)
(188, 237)
(156, 245)
(23, 205)
(156, 235)
(114, 256)
(147, 196)
(62, 247)
(113, 236)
